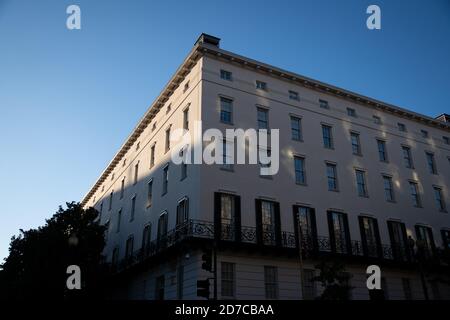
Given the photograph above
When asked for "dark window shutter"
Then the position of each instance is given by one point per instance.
(363, 235)
(295, 217)
(217, 217)
(314, 240)
(445, 238)
(277, 224)
(433, 245)
(237, 218)
(394, 245)
(258, 217)
(347, 234)
(378, 238)
(331, 231)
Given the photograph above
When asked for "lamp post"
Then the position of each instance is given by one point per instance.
(418, 256)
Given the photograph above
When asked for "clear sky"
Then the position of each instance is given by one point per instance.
(68, 99)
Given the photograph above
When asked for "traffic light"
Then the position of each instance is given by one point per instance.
(203, 288)
(207, 260)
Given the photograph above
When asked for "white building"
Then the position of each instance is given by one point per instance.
(362, 174)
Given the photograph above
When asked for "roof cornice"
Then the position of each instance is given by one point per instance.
(202, 48)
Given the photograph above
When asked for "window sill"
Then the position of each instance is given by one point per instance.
(333, 190)
(304, 184)
(227, 169)
(227, 123)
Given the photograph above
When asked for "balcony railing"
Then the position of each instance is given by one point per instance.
(198, 229)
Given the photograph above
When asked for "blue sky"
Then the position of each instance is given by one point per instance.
(68, 99)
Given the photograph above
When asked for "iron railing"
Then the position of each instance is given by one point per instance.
(249, 235)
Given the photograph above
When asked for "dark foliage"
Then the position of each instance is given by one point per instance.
(334, 280)
(38, 258)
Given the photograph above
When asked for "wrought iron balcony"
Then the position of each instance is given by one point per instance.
(198, 229)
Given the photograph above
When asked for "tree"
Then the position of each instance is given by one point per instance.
(38, 258)
(334, 280)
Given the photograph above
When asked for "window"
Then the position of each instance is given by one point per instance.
(162, 228)
(324, 104)
(227, 277)
(425, 236)
(385, 288)
(424, 133)
(327, 136)
(124, 162)
(296, 128)
(149, 193)
(399, 242)
(119, 220)
(351, 112)
(138, 145)
(152, 155)
(299, 166)
(306, 217)
(129, 248)
(446, 238)
(401, 127)
(263, 118)
(159, 288)
(182, 211)
(271, 282)
(154, 126)
(110, 201)
(165, 179)
(268, 153)
(186, 119)
(406, 284)
(382, 152)
(339, 233)
(226, 75)
(293, 95)
(122, 187)
(361, 183)
(169, 107)
(136, 173)
(376, 120)
(446, 140)
(146, 238)
(268, 222)
(407, 157)
(226, 110)
(133, 208)
(388, 189)
(227, 216)
(227, 156)
(440, 203)
(356, 146)
(261, 85)
(370, 236)
(431, 163)
(186, 87)
(332, 177)
(309, 285)
(167, 139)
(414, 190)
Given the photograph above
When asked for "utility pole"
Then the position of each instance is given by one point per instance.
(215, 268)
(300, 251)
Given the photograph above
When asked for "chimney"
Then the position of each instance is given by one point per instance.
(444, 118)
(206, 38)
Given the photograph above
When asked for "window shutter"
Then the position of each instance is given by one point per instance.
(363, 236)
(277, 224)
(259, 238)
(377, 238)
(331, 231)
(295, 219)
(347, 234)
(314, 240)
(217, 217)
(407, 249)
(237, 218)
